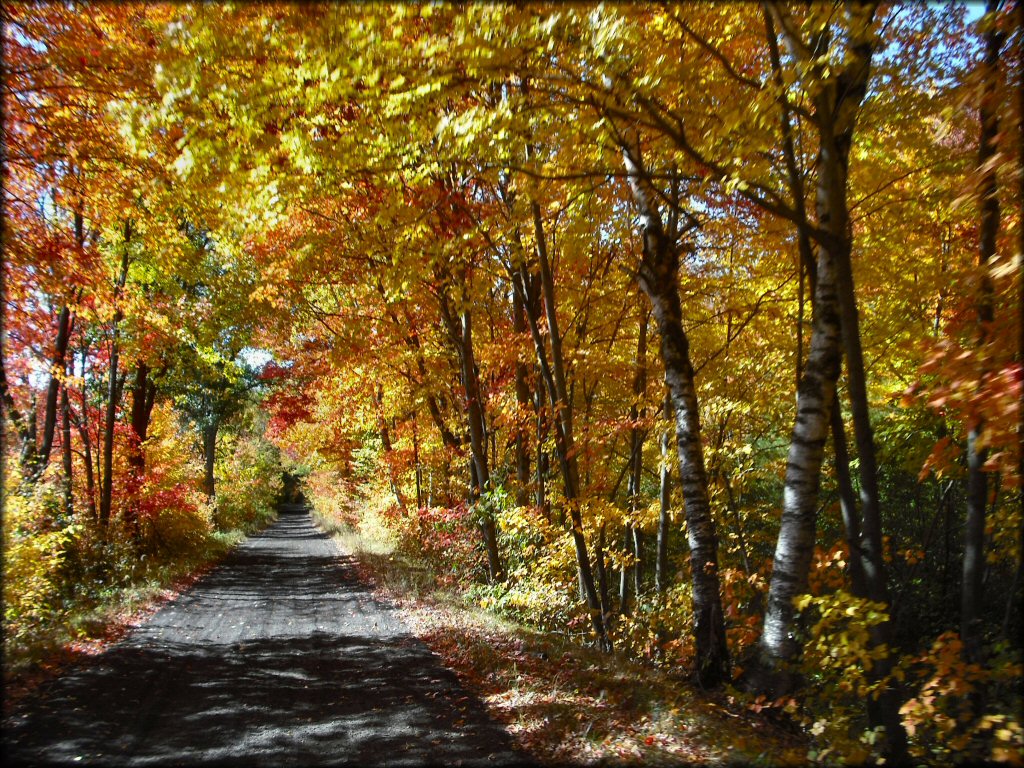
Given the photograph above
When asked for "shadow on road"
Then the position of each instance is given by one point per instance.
(278, 657)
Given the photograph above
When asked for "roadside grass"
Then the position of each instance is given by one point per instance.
(563, 702)
(376, 547)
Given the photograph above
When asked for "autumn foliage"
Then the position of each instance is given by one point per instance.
(692, 332)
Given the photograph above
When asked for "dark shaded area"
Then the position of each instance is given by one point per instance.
(291, 489)
(277, 657)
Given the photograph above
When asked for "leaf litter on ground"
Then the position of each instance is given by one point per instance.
(565, 703)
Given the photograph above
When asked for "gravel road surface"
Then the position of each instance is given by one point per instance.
(279, 656)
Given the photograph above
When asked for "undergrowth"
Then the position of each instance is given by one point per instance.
(565, 703)
(71, 584)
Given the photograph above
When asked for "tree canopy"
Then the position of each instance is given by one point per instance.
(693, 330)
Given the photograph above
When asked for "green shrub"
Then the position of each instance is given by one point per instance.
(249, 483)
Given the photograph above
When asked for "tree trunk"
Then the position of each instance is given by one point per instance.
(836, 115)
(630, 577)
(28, 448)
(65, 405)
(143, 400)
(815, 392)
(885, 709)
(113, 389)
(523, 400)
(90, 475)
(799, 323)
(847, 502)
(109, 422)
(460, 331)
(83, 431)
(540, 493)
(837, 102)
(972, 595)
(661, 575)
(478, 443)
(636, 500)
(658, 277)
(58, 367)
(65, 444)
(384, 432)
(39, 459)
(602, 572)
(554, 379)
(625, 582)
(795, 545)
(416, 463)
(210, 457)
(143, 395)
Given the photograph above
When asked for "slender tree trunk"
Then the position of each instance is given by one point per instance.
(460, 332)
(1016, 597)
(554, 379)
(562, 406)
(385, 442)
(39, 459)
(972, 596)
(29, 447)
(110, 420)
(478, 442)
(709, 628)
(625, 582)
(815, 393)
(883, 710)
(658, 278)
(602, 572)
(630, 577)
(847, 502)
(210, 457)
(142, 406)
(98, 443)
(90, 475)
(83, 431)
(837, 102)
(58, 368)
(522, 445)
(65, 444)
(65, 405)
(113, 390)
(799, 323)
(541, 461)
(636, 500)
(416, 463)
(661, 575)
(553, 374)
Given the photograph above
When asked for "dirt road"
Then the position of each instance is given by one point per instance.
(277, 657)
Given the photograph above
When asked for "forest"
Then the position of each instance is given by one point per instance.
(690, 333)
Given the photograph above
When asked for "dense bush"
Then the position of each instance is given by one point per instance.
(36, 544)
(249, 483)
